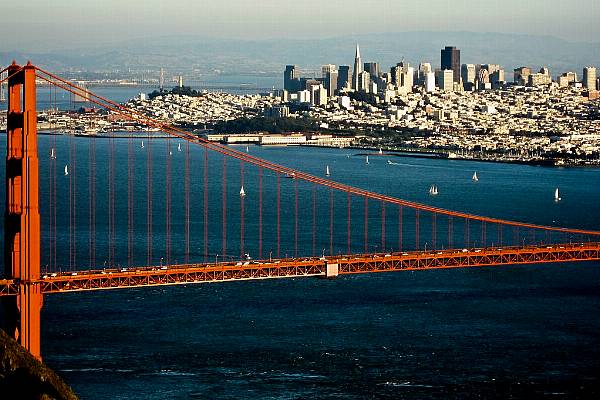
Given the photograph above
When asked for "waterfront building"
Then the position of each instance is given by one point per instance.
(451, 61)
(357, 70)
(589, 78)
(279, 140)
(343, 79)
(291, 78)
(521, 76)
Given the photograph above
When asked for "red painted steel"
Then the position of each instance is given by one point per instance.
(22, 216)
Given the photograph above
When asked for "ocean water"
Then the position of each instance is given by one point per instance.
(498, 332)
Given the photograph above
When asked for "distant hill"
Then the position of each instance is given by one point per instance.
(198, 55)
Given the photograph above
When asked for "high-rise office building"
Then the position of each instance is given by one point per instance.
(373, 69)
(521, 75)
(589, 78)
(445, 80)
(421, 73)
(330, 78)
(291, 78)
(451, 61)
(364, 82)
(468, 75)
(343, 81)
(357, 70)
(429, 82)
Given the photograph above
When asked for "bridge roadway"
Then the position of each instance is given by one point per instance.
(304, 267)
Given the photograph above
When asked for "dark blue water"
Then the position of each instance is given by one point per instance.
(520, 332)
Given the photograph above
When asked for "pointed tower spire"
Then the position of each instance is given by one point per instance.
(357, 51)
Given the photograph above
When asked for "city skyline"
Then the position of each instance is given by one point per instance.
(52, 26)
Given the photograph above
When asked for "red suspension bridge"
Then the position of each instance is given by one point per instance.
(308, 225)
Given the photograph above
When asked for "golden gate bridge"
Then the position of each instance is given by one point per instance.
(348, 212)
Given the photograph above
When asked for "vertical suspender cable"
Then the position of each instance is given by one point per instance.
(224, 206)
(187, 202)
(260, 212)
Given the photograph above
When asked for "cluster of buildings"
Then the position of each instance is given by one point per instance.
(402, 79)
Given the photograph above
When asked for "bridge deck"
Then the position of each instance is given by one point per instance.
(304, 267)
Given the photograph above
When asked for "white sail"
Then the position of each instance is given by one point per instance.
(178, 146)
(475, 178)
(327, 171)
(242, 192)
(142, 144)
(380, 151)
(52, 154)
(247, 149)
(367, 161)
(433, 190)
(66, 170)
(557, 195)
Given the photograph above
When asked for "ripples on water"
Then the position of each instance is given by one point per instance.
(510, 332)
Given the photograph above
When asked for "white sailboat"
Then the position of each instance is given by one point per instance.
(327, 171)
(142, 144)
(433, 190)
(66, 170)
(52, 154)
(242, 192)
(380, 151)
(367, 160)
(247, 149)
(557, 195)
(475, 178)
(178, 146)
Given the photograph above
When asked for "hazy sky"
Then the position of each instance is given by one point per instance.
(50, 24)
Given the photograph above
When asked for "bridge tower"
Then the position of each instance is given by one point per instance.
(22, 215)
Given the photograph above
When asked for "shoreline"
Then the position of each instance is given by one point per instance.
(367, 150)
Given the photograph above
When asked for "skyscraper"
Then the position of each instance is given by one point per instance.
(589, 78)
(291, 78)
(343, 77)
(451, 60)
(330, 78)
(358, 69)
(373, 69)
(468, 75)
(521, 75)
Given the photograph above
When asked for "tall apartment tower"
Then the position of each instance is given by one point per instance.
(451, 60)
(358, 69)
(343, 81)
(291, 78)
(589, 78)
